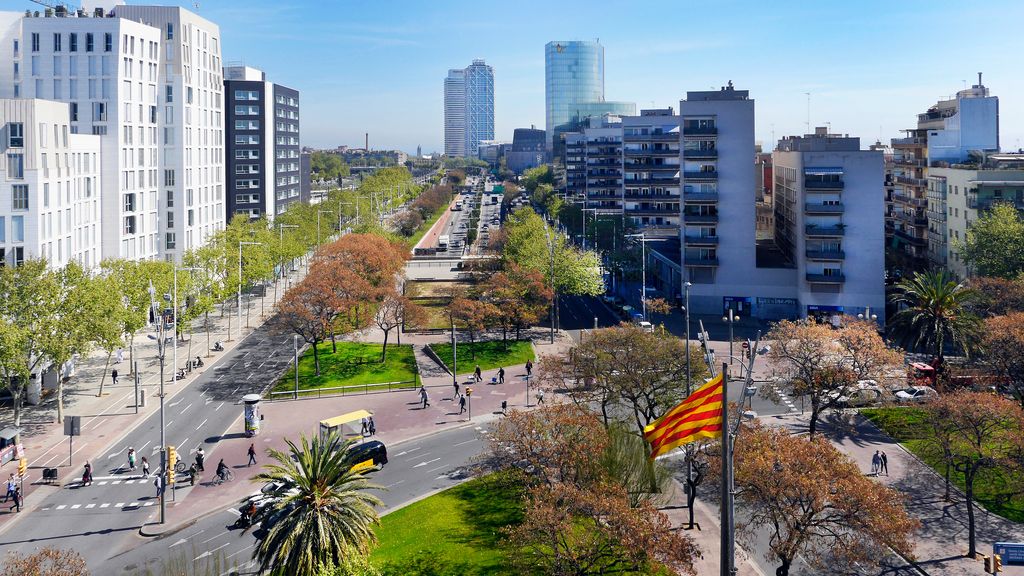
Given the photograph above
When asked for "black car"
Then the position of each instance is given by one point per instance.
(367, 455)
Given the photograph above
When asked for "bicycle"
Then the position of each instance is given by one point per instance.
(228, 477)
(180, 467)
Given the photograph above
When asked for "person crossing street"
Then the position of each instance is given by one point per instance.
(252, 454)
(462, 404)
(501, 375)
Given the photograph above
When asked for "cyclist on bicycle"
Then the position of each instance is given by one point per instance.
(222, 470)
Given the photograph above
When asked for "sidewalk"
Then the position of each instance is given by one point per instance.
(106, 419)
(942, 540)
(399, 417)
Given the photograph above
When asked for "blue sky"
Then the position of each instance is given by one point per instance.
(870, 66)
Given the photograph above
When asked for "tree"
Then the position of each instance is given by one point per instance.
(985, 434)
(569, 530)
(48, 561)
(108, 324)
(821, 362)
(134, 279)
(1003, 342)
(519, 296)
(393, 312)
(813, 501)
(308, 310)
(325, 513)
(934, 312)
(472, 316)
(996, 296)
(527, 245)
(994, 243)
(328, 166)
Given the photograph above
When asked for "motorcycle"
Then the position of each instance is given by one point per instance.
(218, 346)
(180, 375)
(198, 363)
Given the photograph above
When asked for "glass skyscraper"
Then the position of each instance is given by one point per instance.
(468, 108)
(573, 74)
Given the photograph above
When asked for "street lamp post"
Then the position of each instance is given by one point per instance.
(643, 267)
(730, 320)
(281, 275)
(551, 279)
(174, 354)
(161, 354)
(868, 315)
(240, 244)
(584, 211)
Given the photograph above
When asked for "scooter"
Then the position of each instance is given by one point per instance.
(180, 375)
(198, 363)
(218, 346)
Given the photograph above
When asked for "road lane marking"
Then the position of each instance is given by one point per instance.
(425, 463)
(90, 506)
(218, 406)
(148, 504)
(404, 452)
(183, 410)
(436, 469)
(173, 404)
(200, 426)
(184, 442)
(62, 506)
(212, 538)
(210, 552)
(105, 505)
(394, 484)
(466, 442)
(76, 506)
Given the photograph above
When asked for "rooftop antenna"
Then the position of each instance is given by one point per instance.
(808, 112)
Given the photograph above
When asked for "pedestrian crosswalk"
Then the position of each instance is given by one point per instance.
(123, 506)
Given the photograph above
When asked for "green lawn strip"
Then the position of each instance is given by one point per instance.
(437, 318)
(426, 226)
(993, 489)
(457, 531)
(354, 363)
(489, 355)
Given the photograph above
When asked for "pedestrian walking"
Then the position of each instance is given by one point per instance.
(540, 397)
(425, 399)
(113, 376)
(17, 499)
(120, 356)
(87, 474)
(252, 454)
(145, 467)
(200, 456)
(158, 482)
(371, 426)
(504, 407)
(365, 427)
(501, 375)
(131, 458)
(456, 384)
(462, 403)
(876, 463)
(529, 367)
(885, 463)
(477, 375)
(12, 486)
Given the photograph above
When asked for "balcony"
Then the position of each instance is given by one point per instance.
(700, 218)
(974, 203)
(914, 162)
(813, 230)
(657, 152)
(633, 194)
(700, 197)
(709, 175)
(700, 131)
(701, 240)
(641, 167)
(700, 261)
(826, 278)
(654, 211)
(602, 196)
(914, 141)
(605, 163)
(910, 238)
(824, 208)
(822, 185)
(909, 181)
(700, 153)
(664, 182)
(826, 254)
(604, 183)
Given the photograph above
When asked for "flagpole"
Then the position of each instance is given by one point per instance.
(728, 540)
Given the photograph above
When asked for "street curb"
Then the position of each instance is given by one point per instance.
(146, 533)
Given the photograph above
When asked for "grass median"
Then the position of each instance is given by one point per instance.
(993, 490)
(489, 355)
(354, 364)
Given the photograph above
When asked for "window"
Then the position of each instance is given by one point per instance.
(16, 166)
(88, 42)
(108, 42)
(129, 224)
(170, 31)
(19, 197)
(17, 228)
(56, 42)
(152, 114)
(16, 135)
(99, 130)
(35, 42)
(168, 177)
(170, 219)
(129, 202)
(72, 42)
(191, 218)
(169, 241)
(74, 111)
(170, 94)
(19, 255)
(3, 230)
(46, 195)
(170, 198)
(99, 111)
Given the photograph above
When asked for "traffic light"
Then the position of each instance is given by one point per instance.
(22, 466)
(988, 564)
(997, 563)
(469, 391)
(172, 460)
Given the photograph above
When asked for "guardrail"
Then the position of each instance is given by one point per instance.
(362, 389)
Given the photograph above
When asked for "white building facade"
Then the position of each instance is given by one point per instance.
(50, 182)
(455, 113)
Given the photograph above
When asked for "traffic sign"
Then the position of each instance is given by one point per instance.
(1011, 553)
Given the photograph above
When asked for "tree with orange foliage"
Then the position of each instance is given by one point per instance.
(1003, 342)
(48, 561)
(984, 435)
(520, 298)
(822, 362)
(308, 309)
(473, 316)
(814, 502)
(395, 310)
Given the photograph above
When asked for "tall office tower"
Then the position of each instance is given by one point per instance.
(261, 144)
(651, 171)
(455, 113)
(948, 132)
(50, 186)
(190, 89)
(829, 206)
(718, 191)
(573, 74)
(468, 109)
(106, 70)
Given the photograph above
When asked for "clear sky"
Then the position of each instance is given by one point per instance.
(870, 66)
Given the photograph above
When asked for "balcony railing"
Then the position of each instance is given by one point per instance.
(701, 240)
(700, 197)
(653, 210)
(713, 175)
(700, 261)
(915, 162)
(602, 196)
(700, 131)
(907, 237)
(669, 182)
(822, 185)
(813, 230)
(826, 254)
(606, 163)
(700, 153)
(639, 167)
(909, 141)
(909, 181)
(659, 152)
(700, 218)
(826, 278)
(824, 208)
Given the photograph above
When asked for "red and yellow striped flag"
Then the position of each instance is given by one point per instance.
(698, 416)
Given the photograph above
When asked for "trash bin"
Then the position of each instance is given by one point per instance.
(252, 414)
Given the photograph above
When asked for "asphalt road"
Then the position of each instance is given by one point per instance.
(415, 469)
(102, 519)
(578, 313)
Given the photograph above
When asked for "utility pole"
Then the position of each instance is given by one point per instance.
(161, 354)
(728, 543)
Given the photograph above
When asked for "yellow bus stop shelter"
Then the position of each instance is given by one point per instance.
(345, 426)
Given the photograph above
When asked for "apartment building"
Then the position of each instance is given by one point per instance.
(949, 131)
(50, 182)
(190, 87)
(829, 205)
(261, 144)
(651, 179)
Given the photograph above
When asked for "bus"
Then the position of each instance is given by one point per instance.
(442, 242)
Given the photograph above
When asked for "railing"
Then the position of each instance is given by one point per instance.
(700, 131)
(712, 175)
(652, 210)
(822, 185)
(909, 181)
(687, 261)
(700, 197)
(826, 254)
(700, 153)
(665, 182)
(915, 162)
(699, 240)
(908, 141)
(651, 152)
(700, 218)
(826, 278)
(910, 238)
(813, 230)
(347, 390)
(824, 208)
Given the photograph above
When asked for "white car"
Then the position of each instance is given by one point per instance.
(916, 394)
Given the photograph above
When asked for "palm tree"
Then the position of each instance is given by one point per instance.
(935, 312)
(322, 513)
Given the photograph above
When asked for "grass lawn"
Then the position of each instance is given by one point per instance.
(992, 489)
(489, 355)
(426, 226)
(354, 363)
(457, 531)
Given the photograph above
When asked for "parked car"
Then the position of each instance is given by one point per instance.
(916, 394)
(859, 397)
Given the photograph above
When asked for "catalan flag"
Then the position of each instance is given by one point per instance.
(698, 416)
